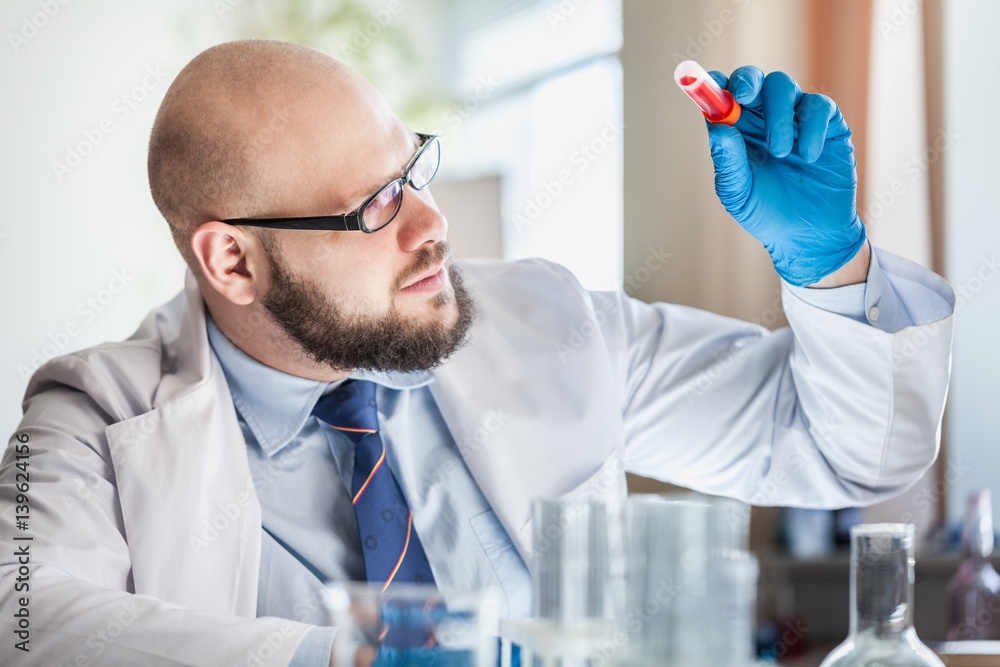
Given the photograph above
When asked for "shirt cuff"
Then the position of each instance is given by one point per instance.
(902, 295)
(315, 648)
(849, 300)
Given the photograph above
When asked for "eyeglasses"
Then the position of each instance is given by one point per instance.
(378, 210)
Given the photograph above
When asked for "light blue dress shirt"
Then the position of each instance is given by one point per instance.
(302, 476)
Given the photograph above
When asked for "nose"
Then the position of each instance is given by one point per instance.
(419, 221)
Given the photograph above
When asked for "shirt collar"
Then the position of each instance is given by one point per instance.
(276, 405)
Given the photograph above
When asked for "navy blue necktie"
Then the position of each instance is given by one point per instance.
(389, 543)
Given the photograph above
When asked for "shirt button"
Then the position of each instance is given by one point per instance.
(873, 313)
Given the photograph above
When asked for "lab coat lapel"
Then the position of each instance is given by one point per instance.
(181, 468)
(528, 423)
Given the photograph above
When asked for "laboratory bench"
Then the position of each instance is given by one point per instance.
(954, 654)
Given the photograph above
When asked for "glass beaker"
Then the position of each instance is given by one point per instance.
(576, 545)
(411, 624)
(692, 584)
(571, 569)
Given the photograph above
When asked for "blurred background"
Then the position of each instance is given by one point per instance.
(565, 138)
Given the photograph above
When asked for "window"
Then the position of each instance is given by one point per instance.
(545, 117)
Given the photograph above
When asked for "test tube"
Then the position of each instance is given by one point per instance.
(716, 104)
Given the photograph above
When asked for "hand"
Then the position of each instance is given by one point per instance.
(786, 172)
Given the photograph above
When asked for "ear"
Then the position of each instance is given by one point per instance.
(231, 260)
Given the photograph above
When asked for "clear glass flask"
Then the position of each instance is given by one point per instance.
(882, 633)
(974, 591)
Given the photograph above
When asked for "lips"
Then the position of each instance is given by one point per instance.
(429, 273)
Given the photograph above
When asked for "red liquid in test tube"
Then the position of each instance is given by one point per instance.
(716, 104)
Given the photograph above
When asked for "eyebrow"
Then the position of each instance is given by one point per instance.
(361, 195)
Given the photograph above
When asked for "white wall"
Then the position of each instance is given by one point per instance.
(973, 246)
(91, 233)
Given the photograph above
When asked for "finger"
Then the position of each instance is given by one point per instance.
(780, 94)
(720, 78)
(745, 84)
(813, 114)
(733, 178)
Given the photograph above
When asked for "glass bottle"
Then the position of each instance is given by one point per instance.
(974, 591)
(882, 633)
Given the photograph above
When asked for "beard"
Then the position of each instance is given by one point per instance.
(348, 342)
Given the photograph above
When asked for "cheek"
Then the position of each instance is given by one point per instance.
(354, 269)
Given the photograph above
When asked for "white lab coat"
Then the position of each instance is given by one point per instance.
(135, 446)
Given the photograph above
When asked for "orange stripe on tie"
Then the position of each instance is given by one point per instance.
(371, 475)
(355, 430)
(406, 545)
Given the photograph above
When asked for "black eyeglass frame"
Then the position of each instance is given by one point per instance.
(354, 221)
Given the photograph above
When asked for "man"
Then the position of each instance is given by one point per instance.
(192, 487)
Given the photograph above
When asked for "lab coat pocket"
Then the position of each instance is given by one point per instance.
(506, 561)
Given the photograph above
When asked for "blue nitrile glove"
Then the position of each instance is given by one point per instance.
(786, 172)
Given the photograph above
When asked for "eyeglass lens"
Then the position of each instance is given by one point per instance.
(426, 166)
(383, 208)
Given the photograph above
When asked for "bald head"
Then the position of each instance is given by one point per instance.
(244, 125)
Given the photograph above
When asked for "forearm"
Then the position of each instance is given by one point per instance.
(76, 622)
(852, 273)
